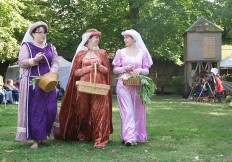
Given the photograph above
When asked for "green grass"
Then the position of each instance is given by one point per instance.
(178, 130)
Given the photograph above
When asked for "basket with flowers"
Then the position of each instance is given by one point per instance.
(147, 86)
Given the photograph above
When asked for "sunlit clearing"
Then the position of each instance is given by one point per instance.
(218, 114)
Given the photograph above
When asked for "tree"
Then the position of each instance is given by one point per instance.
(163, 22)
(11, 23)
(72, 18)
(223, 17)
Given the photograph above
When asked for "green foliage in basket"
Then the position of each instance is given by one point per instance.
(34, 81)
(147, 89)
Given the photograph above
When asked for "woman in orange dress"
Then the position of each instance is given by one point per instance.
(87, 117)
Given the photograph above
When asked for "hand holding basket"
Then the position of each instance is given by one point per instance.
(131, 81)
(92, 88)
(48, 81)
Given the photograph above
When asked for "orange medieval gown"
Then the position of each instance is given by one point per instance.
(87, 117)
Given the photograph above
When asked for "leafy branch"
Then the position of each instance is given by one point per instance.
(147, 88)
(34, 81)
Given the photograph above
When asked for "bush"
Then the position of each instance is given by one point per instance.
(228, 98)
(227, 78)
(178, 83)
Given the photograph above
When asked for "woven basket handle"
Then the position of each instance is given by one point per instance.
(47, 63)
(95, 73)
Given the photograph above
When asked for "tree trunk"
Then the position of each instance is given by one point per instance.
(3, 68)
(134, 10)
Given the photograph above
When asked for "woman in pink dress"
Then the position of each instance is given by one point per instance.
(134, 59)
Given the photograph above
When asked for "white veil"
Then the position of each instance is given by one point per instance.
(139, 41)
(27, 37)
(81, 46)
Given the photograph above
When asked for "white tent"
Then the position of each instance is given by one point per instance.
(63, 71)
(226, 62)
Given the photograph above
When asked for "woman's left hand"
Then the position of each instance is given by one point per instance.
(135, 73)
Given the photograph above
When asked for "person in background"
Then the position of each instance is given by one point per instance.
(2, 91)
(2, 95)
(214, 69)
(16, 83)
(219, 88)
(59, 91)
(134, 59)
(37, 109)
(211, 80)
(15, 92)
(202, 88)
(8, 94)
(83, 116)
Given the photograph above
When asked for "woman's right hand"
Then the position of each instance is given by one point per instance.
(128, 67)
(38, 56)
(90, 68)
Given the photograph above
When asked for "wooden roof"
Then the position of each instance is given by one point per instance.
(203, 25)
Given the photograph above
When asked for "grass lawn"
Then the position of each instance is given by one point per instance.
(178, 130)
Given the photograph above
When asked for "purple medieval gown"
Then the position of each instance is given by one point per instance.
(37, 109)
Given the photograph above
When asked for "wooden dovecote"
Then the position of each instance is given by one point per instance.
(202, 47)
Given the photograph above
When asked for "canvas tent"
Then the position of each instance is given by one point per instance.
(63, 71)
(226, 62)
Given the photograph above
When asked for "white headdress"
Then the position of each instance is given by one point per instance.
(28, 37)
(82, 46)
(139, 41)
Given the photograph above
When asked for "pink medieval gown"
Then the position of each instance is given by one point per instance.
(132, 111)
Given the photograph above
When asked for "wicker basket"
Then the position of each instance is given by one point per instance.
(48, 81)
(92, 88)
(132, 82)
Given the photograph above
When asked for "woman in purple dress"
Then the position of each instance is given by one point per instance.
(134, 59)
(37, 109)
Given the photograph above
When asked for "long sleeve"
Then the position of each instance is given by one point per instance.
(24, 58)
(143, 71)
(117, 63)
(102, 69)
(119, 70)
(82, 71)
